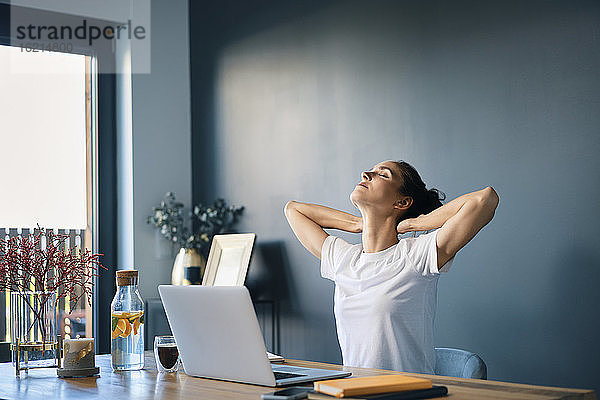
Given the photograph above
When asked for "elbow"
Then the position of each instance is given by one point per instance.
(489, 198)
(289, 206)
(493, 195)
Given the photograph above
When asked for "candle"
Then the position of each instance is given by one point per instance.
(79, 353)
(79, 358)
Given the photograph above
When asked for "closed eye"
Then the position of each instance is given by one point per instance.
(382, 175)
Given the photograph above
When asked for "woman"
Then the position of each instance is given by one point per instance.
(385, 288)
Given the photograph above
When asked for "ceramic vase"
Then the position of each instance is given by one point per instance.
(188, 268)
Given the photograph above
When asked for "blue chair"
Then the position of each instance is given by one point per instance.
(459, 363)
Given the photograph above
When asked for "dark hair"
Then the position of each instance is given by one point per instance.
(424, 200)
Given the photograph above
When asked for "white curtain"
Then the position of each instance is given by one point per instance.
(42, 139)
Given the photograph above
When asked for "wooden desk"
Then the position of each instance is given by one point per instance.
(148, 384)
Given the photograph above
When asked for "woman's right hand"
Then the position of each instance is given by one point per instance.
(308, 221)
(358, 225)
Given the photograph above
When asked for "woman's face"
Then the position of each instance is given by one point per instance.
(378, 188)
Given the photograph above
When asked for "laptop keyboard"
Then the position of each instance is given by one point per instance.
(285, 375)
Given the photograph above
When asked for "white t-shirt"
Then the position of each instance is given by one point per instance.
(385, 302)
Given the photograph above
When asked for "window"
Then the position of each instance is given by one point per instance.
(47, 143)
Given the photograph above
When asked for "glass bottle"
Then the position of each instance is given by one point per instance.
(127, 324)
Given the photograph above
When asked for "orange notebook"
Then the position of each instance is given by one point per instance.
(371, 385)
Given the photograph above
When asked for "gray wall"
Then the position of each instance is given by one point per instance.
(472, 94)
(161, 138)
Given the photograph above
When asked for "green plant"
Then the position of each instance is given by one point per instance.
(196, 228)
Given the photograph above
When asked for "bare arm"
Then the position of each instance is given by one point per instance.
(308, 221)
(459, 221)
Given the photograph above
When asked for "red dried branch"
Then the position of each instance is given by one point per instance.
(53, 268)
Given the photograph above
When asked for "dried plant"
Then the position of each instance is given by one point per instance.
(41, 262)
(197, 229)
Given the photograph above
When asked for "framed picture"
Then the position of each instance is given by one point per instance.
(228, 259)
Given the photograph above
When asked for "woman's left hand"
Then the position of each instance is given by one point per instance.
(407, 225)
(404, 226)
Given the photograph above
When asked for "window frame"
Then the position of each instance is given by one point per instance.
(101, 180)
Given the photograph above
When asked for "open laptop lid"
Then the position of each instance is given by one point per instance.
(217, 333)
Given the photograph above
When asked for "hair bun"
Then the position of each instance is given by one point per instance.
(435, 195)
(424, 200)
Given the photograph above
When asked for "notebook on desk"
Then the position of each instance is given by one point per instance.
(218, 337)
(433, 392)
(274, 358)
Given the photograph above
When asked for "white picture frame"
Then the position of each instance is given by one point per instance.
(228, 259)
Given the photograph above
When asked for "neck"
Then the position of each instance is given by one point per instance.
(379, 232)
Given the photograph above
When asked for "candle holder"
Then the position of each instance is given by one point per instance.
(79, 359)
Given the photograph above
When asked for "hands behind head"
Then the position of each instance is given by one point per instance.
(404, 226)
(408, 225)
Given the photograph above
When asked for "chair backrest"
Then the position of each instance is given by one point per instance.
(459, 363)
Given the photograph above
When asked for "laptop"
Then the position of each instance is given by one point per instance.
(218, 337)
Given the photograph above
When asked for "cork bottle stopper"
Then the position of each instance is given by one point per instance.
(127, 277)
